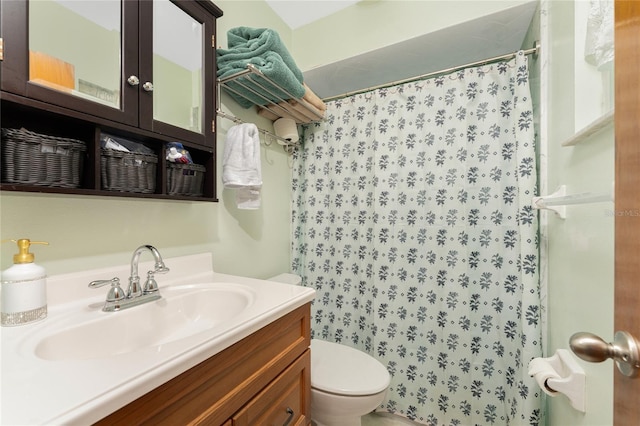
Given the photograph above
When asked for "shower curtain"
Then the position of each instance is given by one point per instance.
(412, 219)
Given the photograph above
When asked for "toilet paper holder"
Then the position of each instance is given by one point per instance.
(561, 373)
(287, 129)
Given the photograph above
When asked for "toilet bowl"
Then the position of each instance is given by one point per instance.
(346, 383)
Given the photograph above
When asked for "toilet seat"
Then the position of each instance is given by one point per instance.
(343, 370)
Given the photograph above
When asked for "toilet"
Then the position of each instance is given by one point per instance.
(346, 383)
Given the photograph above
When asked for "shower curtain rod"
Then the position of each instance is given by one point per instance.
(534, 50)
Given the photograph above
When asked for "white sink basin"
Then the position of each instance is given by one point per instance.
(182, 312)
(108, 359)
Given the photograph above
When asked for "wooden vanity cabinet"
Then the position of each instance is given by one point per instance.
(264, 379)
(66, 82)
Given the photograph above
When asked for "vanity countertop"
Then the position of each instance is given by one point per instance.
(36, 390)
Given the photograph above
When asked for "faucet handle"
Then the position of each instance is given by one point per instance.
(115, 292)
(100, 283)
(150, 286)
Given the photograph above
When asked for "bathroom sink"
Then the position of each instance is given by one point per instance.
(109, 359)
(182, 312)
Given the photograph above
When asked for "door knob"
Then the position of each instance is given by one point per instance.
(625, 350)
(148, 86)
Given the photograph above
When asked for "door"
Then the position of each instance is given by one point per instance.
(177, 69)
(627, 198)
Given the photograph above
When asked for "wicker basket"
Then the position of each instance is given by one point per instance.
(35, 159)
(185, 179)
(128, 171)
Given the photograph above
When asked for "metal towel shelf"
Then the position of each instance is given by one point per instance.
(282, 108)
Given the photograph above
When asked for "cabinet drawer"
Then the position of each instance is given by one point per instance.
(283, 402)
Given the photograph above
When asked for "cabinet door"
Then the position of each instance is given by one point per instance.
(176, 70)
(284, 402)
(75, 54)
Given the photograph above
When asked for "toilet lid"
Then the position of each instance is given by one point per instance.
(343, 370)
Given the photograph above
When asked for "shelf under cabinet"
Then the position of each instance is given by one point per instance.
(18, 112)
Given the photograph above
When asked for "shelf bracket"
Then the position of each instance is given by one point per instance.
(558, 201)
(540, 202)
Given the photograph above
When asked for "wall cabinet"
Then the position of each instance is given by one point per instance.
(263, 379)
(139, 70)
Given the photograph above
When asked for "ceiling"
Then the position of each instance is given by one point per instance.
(296, 13)
(491, 35)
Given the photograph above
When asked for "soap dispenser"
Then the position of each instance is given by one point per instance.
(23, 291)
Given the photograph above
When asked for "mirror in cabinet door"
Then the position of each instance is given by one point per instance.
(72, 54)
(177, 87)
(145, 64)
(74, 47)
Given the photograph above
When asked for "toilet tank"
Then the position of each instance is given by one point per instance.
(287, 278)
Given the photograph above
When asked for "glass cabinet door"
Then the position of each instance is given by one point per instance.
(73, 53)
(175, 84)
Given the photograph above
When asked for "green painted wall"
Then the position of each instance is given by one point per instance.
(93, 232)
(580, 267)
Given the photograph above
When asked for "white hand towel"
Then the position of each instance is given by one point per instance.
(241, 168)
(241, 161)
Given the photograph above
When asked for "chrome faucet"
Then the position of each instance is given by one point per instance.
(136, 295)
(150, 285)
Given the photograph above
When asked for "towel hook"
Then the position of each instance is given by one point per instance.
(268, 140)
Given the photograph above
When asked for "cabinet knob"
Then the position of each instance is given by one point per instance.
(133, 80)
(148, 86)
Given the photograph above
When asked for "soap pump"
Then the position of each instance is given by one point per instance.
(23, 292)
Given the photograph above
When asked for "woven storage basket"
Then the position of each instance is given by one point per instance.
(128, 171)
(185, 179)
(35, 159)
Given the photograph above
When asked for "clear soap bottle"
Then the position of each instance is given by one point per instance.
(23, 288)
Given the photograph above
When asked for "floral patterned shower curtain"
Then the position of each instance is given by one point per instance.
(412, 219)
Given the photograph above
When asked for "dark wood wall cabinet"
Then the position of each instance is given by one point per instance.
(135, 72)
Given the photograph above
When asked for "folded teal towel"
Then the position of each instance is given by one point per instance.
(264, 49)
(246, 43)
(272, 66)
